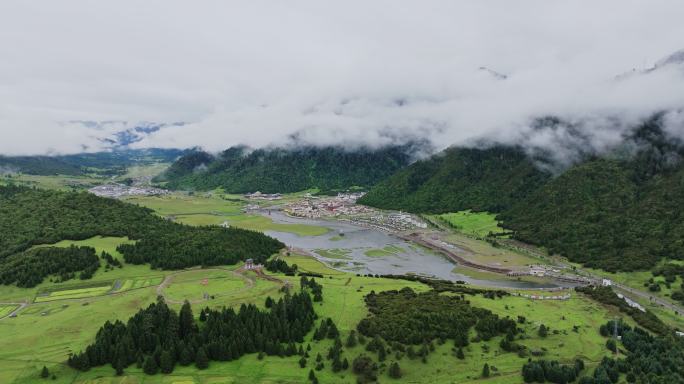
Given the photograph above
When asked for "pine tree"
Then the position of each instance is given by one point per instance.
(186, 321)
(485, 370)
(201, 360)
(312, 375)
(302, 363)
(150, 366)
(382, 353)
(543, 331)
(395, 371)
(44, 373)
(351, 340)
(345, 364)
(120, 365)
(459, 354)
(166, 362)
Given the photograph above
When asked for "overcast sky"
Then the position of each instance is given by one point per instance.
(345, 72)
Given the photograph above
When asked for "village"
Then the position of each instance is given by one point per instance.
(343, 207)
(122, 190)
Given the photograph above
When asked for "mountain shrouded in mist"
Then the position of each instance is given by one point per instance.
(618, 211)
(239, 170)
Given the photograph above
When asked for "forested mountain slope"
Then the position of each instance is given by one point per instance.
(489, 179)
(616, 214)
(621, 211)
(32, 216)
(238, 170)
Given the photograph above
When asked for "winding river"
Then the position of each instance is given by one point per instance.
(346, 247)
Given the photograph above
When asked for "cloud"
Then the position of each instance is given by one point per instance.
(352, 73)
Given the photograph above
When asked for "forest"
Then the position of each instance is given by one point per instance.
(415, 318)
(31, 217)
(649, 359)
(157, 338)
(239, 170)
(28, 269)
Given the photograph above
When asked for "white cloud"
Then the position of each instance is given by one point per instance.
(352, 72)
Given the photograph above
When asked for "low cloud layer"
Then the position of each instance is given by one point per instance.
(352, 73)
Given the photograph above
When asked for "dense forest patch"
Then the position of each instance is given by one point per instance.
(30, 217)
(414, 318)
(237, 170)
(157, 338)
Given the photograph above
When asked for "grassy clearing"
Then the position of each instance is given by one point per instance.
(179, 204)
(192, 285)
(477, 224)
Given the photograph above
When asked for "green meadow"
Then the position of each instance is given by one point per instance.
(477, 224)
(45, 333)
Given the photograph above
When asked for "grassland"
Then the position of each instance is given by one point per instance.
(478, 224)
(216, 209)
(44, 333)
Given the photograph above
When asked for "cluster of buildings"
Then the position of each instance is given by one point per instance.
(391, 222)
(121, 190)
(263, 196)
(312, 207)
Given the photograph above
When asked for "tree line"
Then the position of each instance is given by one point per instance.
(157, 337)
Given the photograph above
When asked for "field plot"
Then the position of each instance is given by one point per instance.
(6, 309)
(75, 293)
(334, 253)
(261, 224)
(136, 283)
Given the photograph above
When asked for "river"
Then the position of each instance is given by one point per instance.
(350, 243)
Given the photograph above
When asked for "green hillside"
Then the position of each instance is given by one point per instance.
(621, 212)
(457, 179)
(237, 170)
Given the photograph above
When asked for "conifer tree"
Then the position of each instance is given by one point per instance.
(150, 366)
(44, 373)
(485, 370)
(166, 362)
(395, 371)
(201, 360)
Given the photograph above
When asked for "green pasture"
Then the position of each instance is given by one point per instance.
(180, 204)
(58, 182)
(44, 335)
(137, 283)
(477, 224)
(78, 293)
(262, 224)
(192, 285)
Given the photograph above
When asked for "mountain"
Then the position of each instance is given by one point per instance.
(490, 179)
(620, 211)
(239, 170)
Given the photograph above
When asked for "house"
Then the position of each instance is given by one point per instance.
(249, 264)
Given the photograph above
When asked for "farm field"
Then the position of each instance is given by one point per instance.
(58, 182)
(137, 283)
(478, 224)
(192, 285)
(77, 293)
(6, 309)
(335, 253)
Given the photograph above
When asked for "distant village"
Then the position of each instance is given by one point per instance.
(122, 190)
(344, 207)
